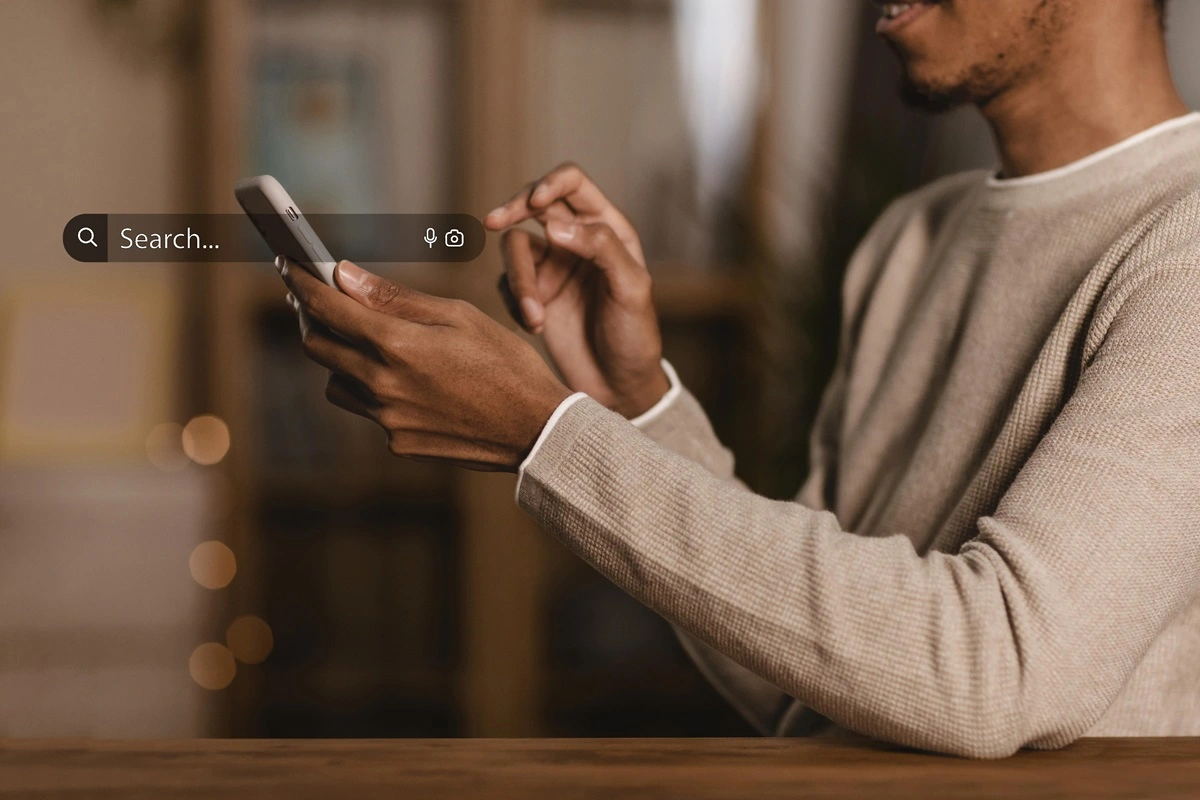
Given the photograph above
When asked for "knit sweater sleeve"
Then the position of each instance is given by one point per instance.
(1022, 638)
(684, 428)
(679, 424)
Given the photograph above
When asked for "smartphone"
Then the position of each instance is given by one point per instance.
(283, 227)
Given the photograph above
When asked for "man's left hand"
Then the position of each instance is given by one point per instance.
(445, 381)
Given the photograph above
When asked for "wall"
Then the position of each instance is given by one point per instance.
(98, 613)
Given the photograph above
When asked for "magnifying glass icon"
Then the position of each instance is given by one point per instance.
(90, 238)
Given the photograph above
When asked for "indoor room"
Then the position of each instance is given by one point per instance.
(197, 544)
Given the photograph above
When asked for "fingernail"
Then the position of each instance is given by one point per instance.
(279, 262)
(532, 310)
(350, 276)
(495, 212)
(540, 193)
(562, 231)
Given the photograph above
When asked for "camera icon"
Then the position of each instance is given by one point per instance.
(454, 238)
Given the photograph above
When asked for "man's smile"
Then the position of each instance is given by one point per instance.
(896, 15)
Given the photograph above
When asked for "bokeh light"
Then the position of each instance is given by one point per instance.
(164, 447)
(212, 666)
(206, 439)
(249, 639)
(212, 564)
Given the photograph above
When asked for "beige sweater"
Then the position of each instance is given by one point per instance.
(999, 543)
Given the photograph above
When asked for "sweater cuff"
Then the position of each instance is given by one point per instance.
(556, 444)
(667, 400)
(546, 429)
(642, 419)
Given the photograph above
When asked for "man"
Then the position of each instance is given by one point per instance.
(999, 543)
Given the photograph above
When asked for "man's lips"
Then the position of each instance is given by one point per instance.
(896, 15)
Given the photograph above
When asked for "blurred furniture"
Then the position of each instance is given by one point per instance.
(579, 768)
(410, 599)
(98, 613)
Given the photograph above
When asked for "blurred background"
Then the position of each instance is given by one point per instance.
(193, 543)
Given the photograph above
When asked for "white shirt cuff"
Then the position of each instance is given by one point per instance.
(642, 419)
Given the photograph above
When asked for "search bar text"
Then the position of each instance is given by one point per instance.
(362, 238)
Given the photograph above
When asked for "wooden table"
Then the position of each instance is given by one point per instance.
(583, 768)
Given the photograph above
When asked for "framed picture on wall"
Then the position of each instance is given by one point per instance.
(87, 366)
(315, 128)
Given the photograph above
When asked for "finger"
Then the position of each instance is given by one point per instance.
(387, 297)
(519, 209)
(598, 243)
(335, 353)
(496, 219)
(570, 183)
(346, 393)
(520, 269)
(327, 305)
(301, 317)
(510, 299)
(566, 184)
(563, 195)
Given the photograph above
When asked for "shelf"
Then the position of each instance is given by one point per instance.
(681, 294)
(350, 683)
(346, 701)
(575, 688)
(412, 483)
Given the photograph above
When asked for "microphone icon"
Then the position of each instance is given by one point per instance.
(430, 237)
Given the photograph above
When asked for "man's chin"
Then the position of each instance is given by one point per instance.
(931, 99)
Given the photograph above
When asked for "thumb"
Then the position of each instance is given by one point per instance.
(365, 287)
(388, 297)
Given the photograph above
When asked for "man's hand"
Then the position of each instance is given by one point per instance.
(443, 379)
(586, 290)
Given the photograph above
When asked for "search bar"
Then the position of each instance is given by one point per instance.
(362, 238)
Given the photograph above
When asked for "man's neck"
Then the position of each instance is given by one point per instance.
(1082, 105)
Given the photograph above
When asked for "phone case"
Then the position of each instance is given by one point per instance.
(283, 227)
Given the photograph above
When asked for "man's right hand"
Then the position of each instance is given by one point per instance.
(585, 289)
